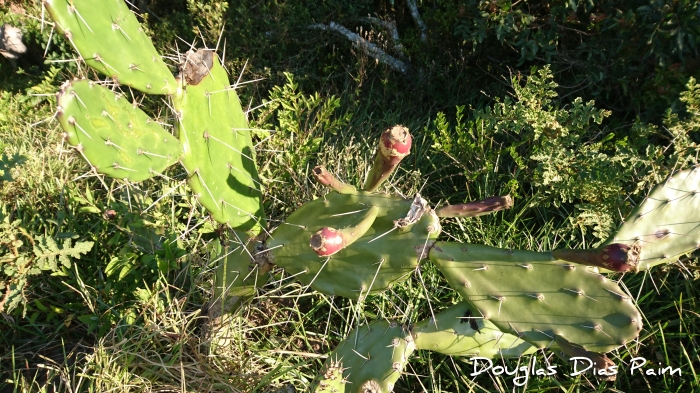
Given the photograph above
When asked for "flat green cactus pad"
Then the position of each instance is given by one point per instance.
(667, 224)
(219, 153)
(331, 378)
(368, 265)
(111, 40)
(116, 137)
(373, 357)
(536, 298)
(454, 335)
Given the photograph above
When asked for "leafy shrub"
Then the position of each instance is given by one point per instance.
(551, 154)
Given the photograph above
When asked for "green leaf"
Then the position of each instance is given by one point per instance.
(89, 209)
(48, 253)
(112, 266)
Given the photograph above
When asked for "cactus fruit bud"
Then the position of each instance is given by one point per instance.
(616, 257)
(394, 145)
(478, 208)
(197, 65)
(328, 241)
(327, 179)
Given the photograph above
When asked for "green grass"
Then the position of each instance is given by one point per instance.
(115, 320)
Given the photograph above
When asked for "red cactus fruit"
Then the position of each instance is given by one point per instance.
(327, 241)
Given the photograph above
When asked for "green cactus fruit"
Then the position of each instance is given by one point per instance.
(327, 179)
(328, 241)
(536, 297)
(614, 257)
(373, 357)
(108, 37)
(456, 331)
(475, 209)
(218, 151)
(331, 378)
(114, 136)
(388, 252)
(394, 145)
(665, 225)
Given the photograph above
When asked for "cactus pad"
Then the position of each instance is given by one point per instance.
(331, 378)
(111, 40)
(455, 335)
(373, 357)
(536, 298)
(218, 150)
(371, 263)
(116, 137)
(667, 224)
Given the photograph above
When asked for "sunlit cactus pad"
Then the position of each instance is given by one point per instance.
(219, 153)
(331, 379)
(368, 265)
(667, 223)
(373, 357)
(536, 298)
(111, 40)
(458, 331)
(115, 136)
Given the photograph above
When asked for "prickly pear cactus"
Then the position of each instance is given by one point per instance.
(515, 302)
(111, 40)
(372, 358)
(533, 296)
(354, 243)
(114, 136)
(385, 252)
(218, 151)
(121, 141)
